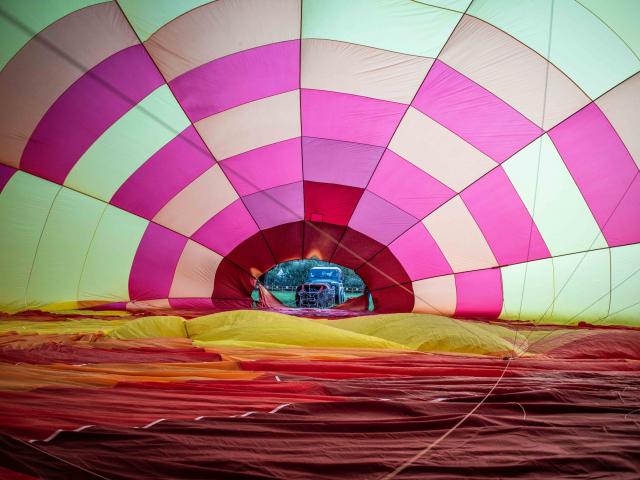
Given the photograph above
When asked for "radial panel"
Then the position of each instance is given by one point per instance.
(435, 295)
(219, 29)
(198, 202)
(127, 144)
(459, 238)
(359, 70)
(551, 196)
(70, 47)
(438, 151)
(195, 272)
(25, 203)
(252, 125)
(405, 27)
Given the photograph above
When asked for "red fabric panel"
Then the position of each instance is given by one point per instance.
(393, 299)
(268, 300)
(231, 283)
(355, 304)
(328, 203)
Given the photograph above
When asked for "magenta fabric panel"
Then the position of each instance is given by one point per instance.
(191, 303)
(276, 206)
(474, 113)
(155, 263)
(379, 219)
(503, 219)
(603, 169)
(408, 187)
(479, 294)
(6, 173)
(339, 162)
(419, 254)
(227, 229)
(86, 110)
(239, 78)
(265, 167)
(166, 173)
(351, 118)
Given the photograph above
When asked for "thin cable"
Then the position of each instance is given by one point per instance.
(434, 444)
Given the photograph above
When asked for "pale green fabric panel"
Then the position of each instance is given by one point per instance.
(526, 20)
(621, 16)
(395, 25)
(24, 205)
(561, 214)
(106, 271)
(457, 5)
(127, 144)
(63, 248)
(147, 16)
(583, 296)
(582, 46)
(625, 285)
(588, 51)
(531, 299)
(35, 16)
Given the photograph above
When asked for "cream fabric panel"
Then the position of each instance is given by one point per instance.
(622, 107)
(459, 237)
(252, 125)
(511, 71)
(221, 28)
(359, 70)
(195, 272)
(198, 202)
(435, 295)
(438, 151)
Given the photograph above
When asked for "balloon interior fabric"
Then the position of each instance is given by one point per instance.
(475, 162)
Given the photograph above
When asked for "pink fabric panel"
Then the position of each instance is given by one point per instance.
(419, 254)
(351, 118)
(479, 294)
(379, 219)
(473, 113)
(5, 175)
(191, 303)
(408, 187)
(335, 161)
(603, 169)
(276, 206)
(503, 219)
(239, 78)
(227, 229)
(85, 111)
(164, 175)
(155, 263)
(265, 167)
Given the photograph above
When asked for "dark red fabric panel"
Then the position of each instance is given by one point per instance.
(566, 423)
(393, 299)
(232, 283)
(383, 270)
(58, 353)
(285, 241)
(355, 248)
(321, 240)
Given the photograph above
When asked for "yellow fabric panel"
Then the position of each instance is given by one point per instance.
(245, 328)
(85, 325)
(152, 327)
(433, 333)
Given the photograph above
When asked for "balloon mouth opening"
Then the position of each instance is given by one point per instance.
(313, 284)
